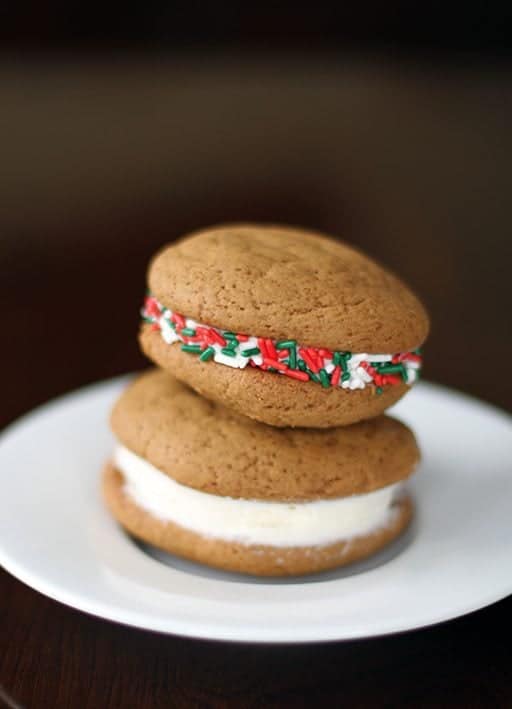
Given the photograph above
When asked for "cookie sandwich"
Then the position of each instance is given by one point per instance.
(194, 478)
(282, 325)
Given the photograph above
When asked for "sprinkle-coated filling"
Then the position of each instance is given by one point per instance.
(324, 366)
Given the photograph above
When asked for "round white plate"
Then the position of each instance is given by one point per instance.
(56, 536)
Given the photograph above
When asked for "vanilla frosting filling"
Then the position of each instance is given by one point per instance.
(348, 370)
(253, 522)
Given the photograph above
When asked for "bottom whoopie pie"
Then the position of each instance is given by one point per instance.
(195, 479)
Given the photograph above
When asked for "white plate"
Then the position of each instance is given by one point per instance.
(56, 536)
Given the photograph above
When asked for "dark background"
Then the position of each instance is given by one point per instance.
(388, 125)
(482, 28)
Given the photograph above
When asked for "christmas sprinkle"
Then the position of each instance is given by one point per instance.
(323, 366)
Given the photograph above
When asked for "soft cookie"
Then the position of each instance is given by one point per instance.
(286, 326)
(195, 479)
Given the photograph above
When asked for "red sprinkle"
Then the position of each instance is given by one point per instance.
(309, 360)
(152, 307)
(297, 374)
(391, 379)
(155, 326)
(262, 344)
(203, 333)
(271, 350)
(316, 357)
(282, 354)
(327, 354)
(179, 320)
(280, 366)
(411, 357)
(335, 376)
(242, 338)
(371, 371)
(217, 337)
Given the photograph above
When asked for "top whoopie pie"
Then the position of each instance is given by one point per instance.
(286, 326)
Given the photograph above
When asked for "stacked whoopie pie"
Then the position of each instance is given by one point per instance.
(260, 445)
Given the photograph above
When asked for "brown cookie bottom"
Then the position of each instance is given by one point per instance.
(270, 398)
(230, 556)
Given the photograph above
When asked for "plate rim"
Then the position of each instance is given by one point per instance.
(214, 635)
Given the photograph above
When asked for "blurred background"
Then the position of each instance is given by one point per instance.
(121, 129)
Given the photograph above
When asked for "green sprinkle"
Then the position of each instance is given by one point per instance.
(390, 369)
(207, 354)
(345, 376)
(285, 344)
(146, 319)
(314, 377)
(250, 352)
(302, 365)
(393, 369)
(324, 378)
(191, 348)
(188, 332)
(228, 351)
(341, 358)
(231, 336)
(379, 390)
(292, 359)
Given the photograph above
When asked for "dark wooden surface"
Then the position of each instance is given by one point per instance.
(72, 276)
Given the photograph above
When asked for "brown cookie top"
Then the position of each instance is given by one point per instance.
(205, 446)
(282, 282)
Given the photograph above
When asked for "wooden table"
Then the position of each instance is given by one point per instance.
(70, 288)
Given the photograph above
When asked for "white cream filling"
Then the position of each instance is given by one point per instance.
(278, 524)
